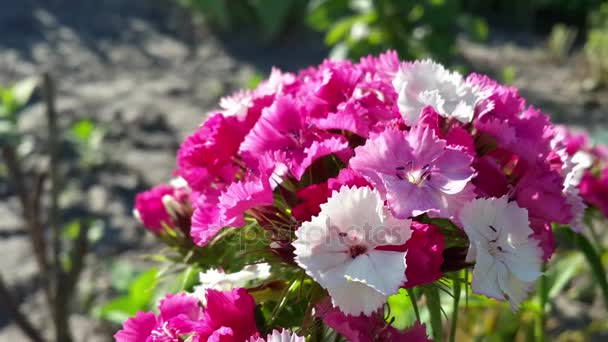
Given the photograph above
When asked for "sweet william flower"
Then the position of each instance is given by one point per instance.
(368, 328)
(416, 171)
(279, 336)
(424, 254)
(337, 249)
(317, 194)
(229, 316)
(426, 83)
(159, 206)
(507, 259)
(207, 155)
(220, 280)
(211, 215)
(283, 131)
(177, 316)
(594, 190)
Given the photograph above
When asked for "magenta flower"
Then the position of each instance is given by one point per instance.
(416, 171)
(155, 207)
(368, 328)
(229, 316)
(282, 129)
(177, 316)
(207, 155)
(211, 215)
(540, 190)
(424, 254)
(594, 190)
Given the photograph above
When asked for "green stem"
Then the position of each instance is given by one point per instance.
(412, 295)
(543, 297)
(457, 286)
(433, 302)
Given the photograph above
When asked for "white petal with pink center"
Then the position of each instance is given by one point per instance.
(337, 249)
(507, 259)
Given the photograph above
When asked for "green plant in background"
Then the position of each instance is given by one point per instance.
(270, 17)
(596, 47)
(87, 138)
(12, 100)
(560, 42)
(416, 29)
(59, 249)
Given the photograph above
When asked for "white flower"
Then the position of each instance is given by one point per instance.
(426, 83)
(507, 260)
(237, 104)
(218, 280)
(573, 168)
(279, 336)
(337, 249)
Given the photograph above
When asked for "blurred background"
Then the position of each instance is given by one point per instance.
(132, 78)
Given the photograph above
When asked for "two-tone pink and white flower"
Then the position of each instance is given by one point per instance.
(416, 171)
(337, 249)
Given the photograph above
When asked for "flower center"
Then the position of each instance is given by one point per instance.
(416, 177)
(495, 249)
(357, 250)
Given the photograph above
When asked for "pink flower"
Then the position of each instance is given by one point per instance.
(279, 336)
(282, 129)
(207, 155)
(229, 317)
(505, 101)
(540, 190)
(424, 254)
(385, 65)
(528, 135)
(594, 190)
(210, 215)
(177, 316)
(572, 141)
(416, 171)
(367, 328)
(151, 206)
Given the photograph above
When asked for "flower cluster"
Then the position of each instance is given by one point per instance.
(374, 176)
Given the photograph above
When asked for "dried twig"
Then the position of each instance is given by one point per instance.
(60, 314)
(13, 309)
(30, 213)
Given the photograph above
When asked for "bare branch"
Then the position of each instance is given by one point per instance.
(13, 310)
(61, 312)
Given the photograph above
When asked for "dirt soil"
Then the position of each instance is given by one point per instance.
(145, 71)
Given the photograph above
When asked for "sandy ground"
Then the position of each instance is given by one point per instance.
(148, 74)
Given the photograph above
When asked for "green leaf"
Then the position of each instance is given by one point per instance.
(117, 310)
(339, 31)
(71, 230)
(595, 263)
(141, 290)
(186, 280)
(255, 80)
(23, 90)
(562, 271)
(453, 324)
(83, 130)
(434, 305)
(401, 309)
(122, 274)
(214, 10)
(272, 15)
(323, 13)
